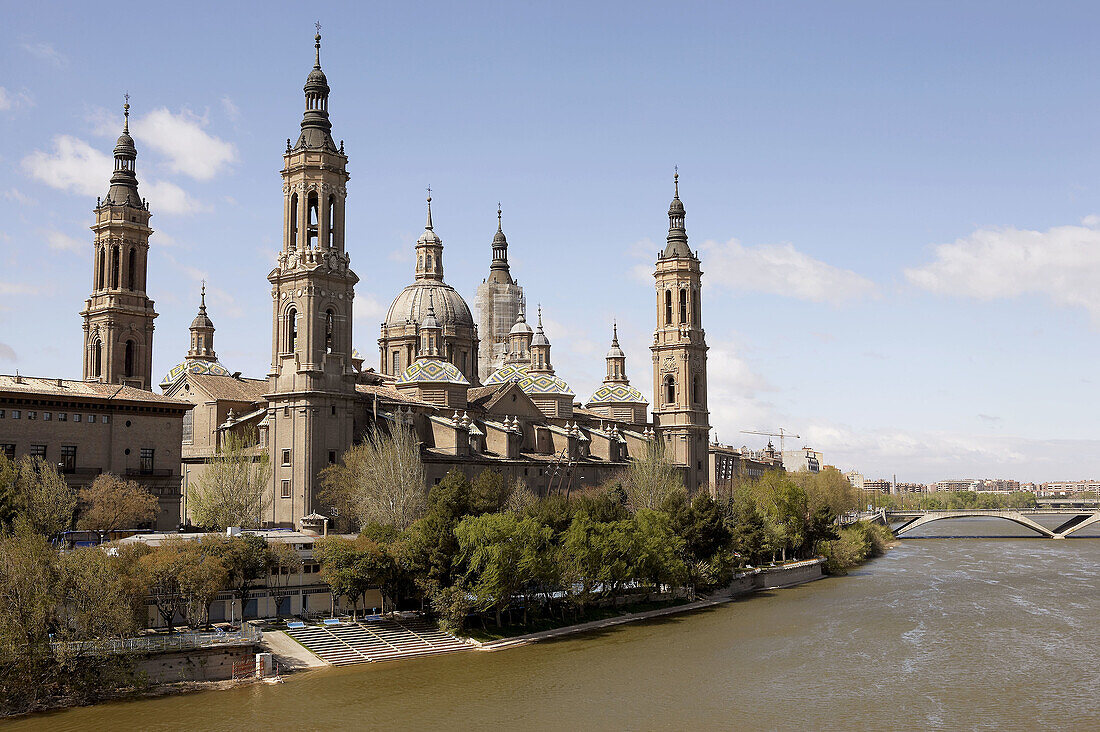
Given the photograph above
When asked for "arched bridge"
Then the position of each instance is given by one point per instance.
(1075, 519)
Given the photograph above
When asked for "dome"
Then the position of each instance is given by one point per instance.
(540, 339)
(620, 393)
(676, 206)
(202, 320)
(615, 351)
(531, 384)
(125, 146)
(411, 305)
(432, 371)
(192, 366)
(429, 237)
(316, 76)
(521, 325)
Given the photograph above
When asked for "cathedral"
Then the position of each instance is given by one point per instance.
(479, 394)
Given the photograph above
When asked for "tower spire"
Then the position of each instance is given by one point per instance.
(677, 234)
(126, 114)
(429, 250)
(428, 225)
(316, 128)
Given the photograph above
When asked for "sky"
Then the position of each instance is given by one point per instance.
(897, 205)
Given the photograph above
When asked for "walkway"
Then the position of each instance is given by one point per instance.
(1076, 520)
(375, 640)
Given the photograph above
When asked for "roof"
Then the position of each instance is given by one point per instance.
(618, 393)
(75, 389)
(531, 383)
(388, 393)
(192, 366)
(411, 305)
(230, 388)
(432, 371)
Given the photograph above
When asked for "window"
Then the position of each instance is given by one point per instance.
(38, 451)
(330, 330)
(76, 417)
(32, 415)
(286, 411)
(333, 408)
(131, 270)
(103, 418)
(332, 222)
(47, 416)
(286, 489)
(91, 419)
(294, 221)
(311, 221)
(291, 330)
(146, 460)
(1, 413)
(61, 416)
(188, 427)
(129, 362)
(116, 255)
(670, 389)
(15, 414)
(97, 358)
(695, 309)
(7, 449)
(683, 307)
(68, 458)
(331, 457)
(668, 307)
(99, 281)
(286, 457)
(696, 392)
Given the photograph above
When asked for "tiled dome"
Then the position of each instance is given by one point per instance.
(531, 383)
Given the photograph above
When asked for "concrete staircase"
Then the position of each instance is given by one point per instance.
(376, 640)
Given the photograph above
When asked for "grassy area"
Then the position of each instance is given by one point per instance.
(493, 633)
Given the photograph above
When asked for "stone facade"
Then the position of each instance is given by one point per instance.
(498, 303)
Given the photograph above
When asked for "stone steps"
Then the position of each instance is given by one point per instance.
(375, 640)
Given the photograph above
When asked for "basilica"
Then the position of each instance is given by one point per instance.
(479, 392)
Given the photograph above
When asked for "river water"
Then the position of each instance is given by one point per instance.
(946, 633)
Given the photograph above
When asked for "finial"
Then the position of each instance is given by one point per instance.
(498, 217)
(341, 147)
(288, 144)
(614, 333)
(429, 224)
(317, 45)
(676, 179)
(202, 305)
(540, 316)
(431, 303)
(126, 114)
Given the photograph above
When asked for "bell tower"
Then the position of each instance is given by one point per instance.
(680, 414)
(311, 383)
(118, 316)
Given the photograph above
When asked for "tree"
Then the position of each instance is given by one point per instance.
(380, 481)
(161, 569)
(45, 501)
(233, 489)
(351, 567)
(246, 557)
(202, 575)
(650, 478)
(97, 598)
(283, 563)
(112, 503)
(432, 544)
(9, 493)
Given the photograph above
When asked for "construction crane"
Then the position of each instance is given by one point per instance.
(782, 434)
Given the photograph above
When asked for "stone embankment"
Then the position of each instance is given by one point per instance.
(758, 579)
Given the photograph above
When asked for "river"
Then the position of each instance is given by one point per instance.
(938, 634)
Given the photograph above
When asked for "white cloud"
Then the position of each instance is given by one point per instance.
(73, 166)
(780, 269)
(181, 138)
(166, 197)
(734, 395)
(64, 242)
(231, 109)
(7, 353)
(19, 288)
(46, 52)
(10, 100)
(366, 306)
(220, 301)
(14, 194)
(1061, 264)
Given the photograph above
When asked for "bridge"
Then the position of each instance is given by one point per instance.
(1076, 518)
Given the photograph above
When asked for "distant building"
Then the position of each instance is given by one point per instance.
(878, 486)
(803, 459)
(498, 304)
(730, 464)
(910, 488)
(1069, 487)
(966, 484)
(856, 479)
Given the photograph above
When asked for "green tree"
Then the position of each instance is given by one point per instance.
(46, 502)
(433, 547)
(651, 477)
(9, 493)
(234, 487)
(379, 481)
(112, 503)
(246, 558)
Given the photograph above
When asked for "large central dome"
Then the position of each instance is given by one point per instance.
(411, 305)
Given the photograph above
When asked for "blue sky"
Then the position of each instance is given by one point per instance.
(896, 203)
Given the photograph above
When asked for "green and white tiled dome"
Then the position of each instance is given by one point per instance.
(432, 371)
(531, 383)
(618, 393)
(192, 366)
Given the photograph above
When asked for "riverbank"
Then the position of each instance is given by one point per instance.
(769, 578)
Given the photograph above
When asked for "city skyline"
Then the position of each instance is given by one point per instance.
(847, 274)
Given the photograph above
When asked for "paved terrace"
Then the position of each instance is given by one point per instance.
(374, 640)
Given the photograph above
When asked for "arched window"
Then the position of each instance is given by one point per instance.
(115, 256)
(332, 222)
(200, 342)
(428, 262)
(695, 309)
(294, 221)
(668, 307)
(670, 389)
(97, 358)
(311, 230)
(100, 283)
(128, 364)
(131, 269)
(330, 330)
(291, 330)
(683, 307)
(696, 392)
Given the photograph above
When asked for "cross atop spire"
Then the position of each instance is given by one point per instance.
(126, 114)
(498, 217)
(317, 45)
(428, 226)
(676, 179)
(202, 303)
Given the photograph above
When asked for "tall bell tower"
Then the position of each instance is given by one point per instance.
(311, 383)
(680, 414)
(118, 316)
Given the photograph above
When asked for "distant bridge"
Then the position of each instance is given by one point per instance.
(1076, 518)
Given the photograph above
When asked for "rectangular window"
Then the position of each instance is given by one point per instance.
(91, 419)
(32, 415)
(333, 410)
(46, 416)
(104, 419)
(68, 458)
(396, 362)
(76, 417)
(62, 416)
(38, 451)
(286, 457)
(7, 449)
(1, 413)
(188, 426)
(15, 414)
(286, 489)
(146, 462)
(286, 411)
(331, 457)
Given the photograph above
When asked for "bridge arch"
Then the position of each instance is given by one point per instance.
(928, 517)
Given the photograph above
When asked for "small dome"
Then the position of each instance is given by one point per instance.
(521, 325)
(615, 351)
(617, 394)
(125, 147)
(540, 339)
(411, 305)
(432, 371)
(429, 237)
(676, 206)
(540, 383)
(316, 77)
(192, 366)
(202, 320)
